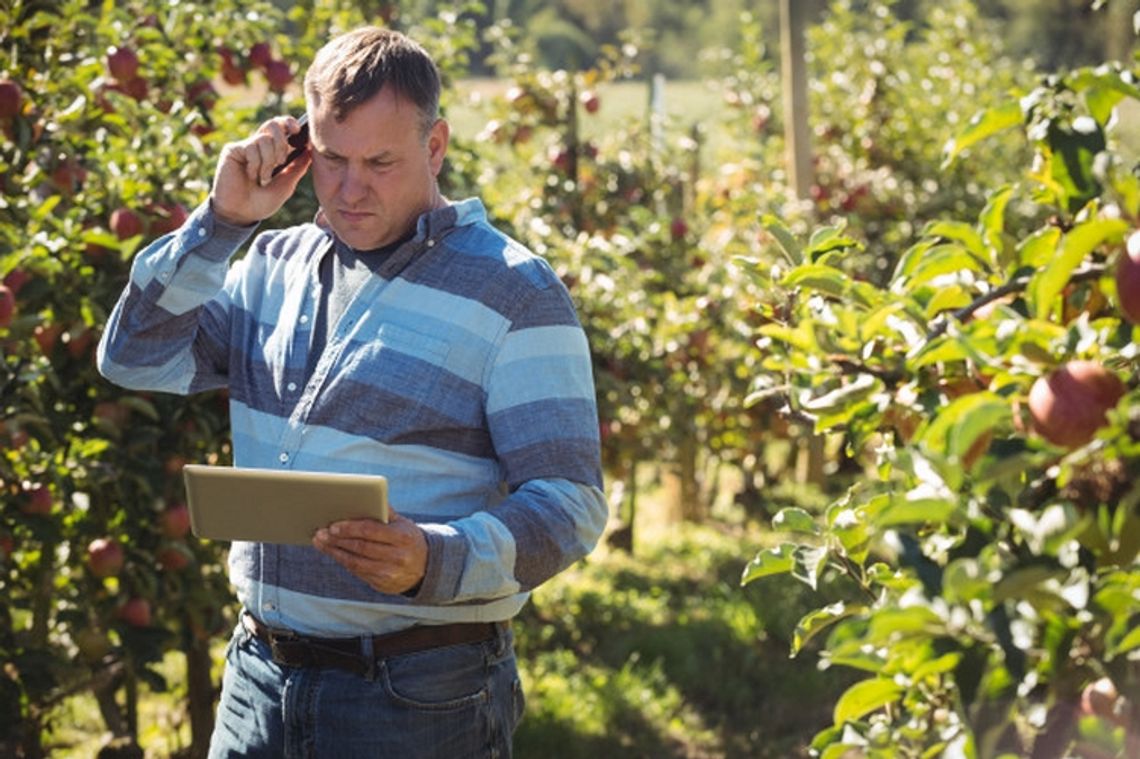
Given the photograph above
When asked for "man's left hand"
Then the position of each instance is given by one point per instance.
(391, 558)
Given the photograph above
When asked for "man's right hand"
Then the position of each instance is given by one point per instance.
(245, 191)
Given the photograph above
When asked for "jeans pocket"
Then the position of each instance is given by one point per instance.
(447, 678)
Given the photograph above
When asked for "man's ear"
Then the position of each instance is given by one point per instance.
(438, 138)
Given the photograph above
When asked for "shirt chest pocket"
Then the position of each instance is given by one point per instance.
(389, 380)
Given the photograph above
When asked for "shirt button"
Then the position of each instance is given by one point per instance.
(201, 232)
(291, 386)
(430, 243)
(284, 457)
(304, 319)
(267, 606)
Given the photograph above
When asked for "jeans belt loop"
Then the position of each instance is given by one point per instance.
(369, 658)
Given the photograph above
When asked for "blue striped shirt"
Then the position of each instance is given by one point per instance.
(459, 371)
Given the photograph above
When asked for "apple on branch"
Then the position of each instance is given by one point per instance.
(1068, 405)
(105, 557)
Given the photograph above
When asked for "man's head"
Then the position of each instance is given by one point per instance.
(352, 68)
(378, 142)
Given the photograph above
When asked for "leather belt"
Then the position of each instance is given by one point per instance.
(293, 650)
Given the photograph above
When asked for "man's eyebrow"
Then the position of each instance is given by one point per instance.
(383, 155)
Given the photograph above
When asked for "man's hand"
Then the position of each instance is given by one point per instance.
(391, 558)
(245, 190)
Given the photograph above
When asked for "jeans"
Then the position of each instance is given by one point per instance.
(454, 701)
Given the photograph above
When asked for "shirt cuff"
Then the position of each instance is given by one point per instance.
(447, 551)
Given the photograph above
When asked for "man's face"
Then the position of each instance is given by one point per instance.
(374, 173)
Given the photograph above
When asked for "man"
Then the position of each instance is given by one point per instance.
(399, 334)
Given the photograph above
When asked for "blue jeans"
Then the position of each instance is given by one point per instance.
(454, 701)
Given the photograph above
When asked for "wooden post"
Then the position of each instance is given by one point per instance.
(793, 69)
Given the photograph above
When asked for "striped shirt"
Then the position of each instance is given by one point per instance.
(459, 371)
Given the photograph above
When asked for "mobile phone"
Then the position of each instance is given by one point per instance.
(298, 141)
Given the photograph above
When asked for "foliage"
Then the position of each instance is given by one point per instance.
(994, 565)
(662, 655)
(113, 137)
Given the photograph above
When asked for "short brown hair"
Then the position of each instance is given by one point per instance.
(352, 68)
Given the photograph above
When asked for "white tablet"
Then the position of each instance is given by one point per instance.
(271, 506)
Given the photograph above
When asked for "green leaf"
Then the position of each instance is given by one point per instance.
(1069, 151)
(820, 619)
(942, 349)
(1081, 240)
(801, 337)
(948, 258)
(958, 231)
(825, 279)
(983, 125)
(1023, 582)
(1129, 642)
(908, 509)
(908, 261)
(958, 426)
(865, 697)
(809, 564)
(770, 561)
(1103, 88)
(947, 299)
(784, 239)
(992, 220)
(827, 239)
(1038, 249)
(795, 519)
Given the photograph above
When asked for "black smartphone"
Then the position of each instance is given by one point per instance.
(298, 141)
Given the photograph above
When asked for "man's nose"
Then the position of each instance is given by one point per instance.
(353, 184)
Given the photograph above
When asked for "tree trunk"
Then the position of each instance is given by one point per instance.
(200, 695)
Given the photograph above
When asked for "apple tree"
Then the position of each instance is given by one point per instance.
(108, 130)
(983, 573)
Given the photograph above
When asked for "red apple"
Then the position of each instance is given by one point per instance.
(1071, 403)
(36, 500)
(105, 557)
(7, 305)
(678, 228)
(16, 279)
(167, 217)
(173, 558)
(47, 335)
(278, 74)
(78, 340)
(202, 93)
(260, 55)
(1101, 698)
(68, 176)
(123, 63)
(1128, 279)
(125, 223)
(11, 98)
(135, 612)
(136, 87)
(232, 73)
(174, 522)
(590, 101)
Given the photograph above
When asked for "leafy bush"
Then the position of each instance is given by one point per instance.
(995, 537)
